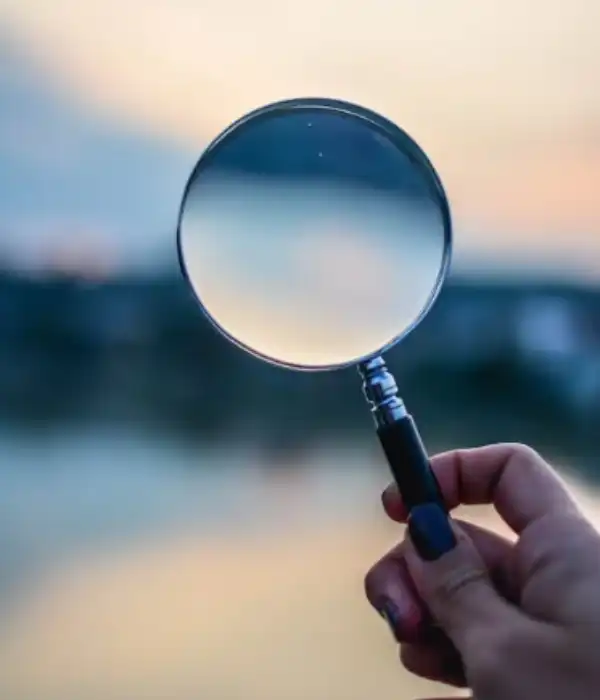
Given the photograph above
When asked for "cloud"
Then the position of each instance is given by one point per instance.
(66, 173)
(190, 68)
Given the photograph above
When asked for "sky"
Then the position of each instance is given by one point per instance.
(503, 95)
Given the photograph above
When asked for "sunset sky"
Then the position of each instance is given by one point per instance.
(503, 95)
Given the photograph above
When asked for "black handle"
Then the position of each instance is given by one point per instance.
(409, 463)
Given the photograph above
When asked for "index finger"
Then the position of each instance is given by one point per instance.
(514, 478)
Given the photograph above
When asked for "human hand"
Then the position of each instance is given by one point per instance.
(510, 620)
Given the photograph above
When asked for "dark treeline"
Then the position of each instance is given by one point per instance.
(139, 352)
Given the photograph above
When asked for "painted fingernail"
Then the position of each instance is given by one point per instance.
(391, 614)
(430, 531)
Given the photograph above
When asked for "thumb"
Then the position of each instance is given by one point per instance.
(452, 579)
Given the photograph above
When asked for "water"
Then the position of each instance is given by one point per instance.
(148, 569)
(73, 490)
(61, 493)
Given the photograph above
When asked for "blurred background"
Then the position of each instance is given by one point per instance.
(178, 519)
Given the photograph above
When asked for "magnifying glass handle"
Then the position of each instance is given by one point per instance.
(409, 463)
(399, 437)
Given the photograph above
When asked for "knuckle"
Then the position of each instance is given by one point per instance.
(388, 568)
(375, 579)
(457, 583)
(370, 582)
(525, 454)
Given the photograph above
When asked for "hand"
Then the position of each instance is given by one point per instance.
(511, 620)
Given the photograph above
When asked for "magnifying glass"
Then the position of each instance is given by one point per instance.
(315, 234)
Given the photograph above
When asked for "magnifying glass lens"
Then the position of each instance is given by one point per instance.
(314, 234)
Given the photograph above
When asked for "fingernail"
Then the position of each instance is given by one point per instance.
(430, 531)
(391, 614)
(406, 621)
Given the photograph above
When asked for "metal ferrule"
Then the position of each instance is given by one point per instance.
(381, 392)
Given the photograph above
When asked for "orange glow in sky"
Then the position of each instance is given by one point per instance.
(504, 96)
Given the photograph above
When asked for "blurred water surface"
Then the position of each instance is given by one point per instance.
(84, 487)
(136, 566)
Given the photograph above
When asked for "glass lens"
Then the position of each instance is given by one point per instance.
(314, 235)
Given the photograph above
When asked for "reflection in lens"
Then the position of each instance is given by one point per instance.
(311, 238)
